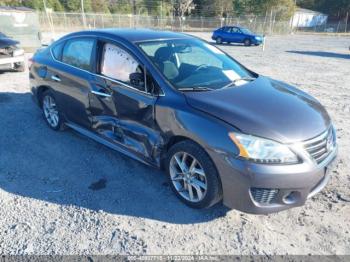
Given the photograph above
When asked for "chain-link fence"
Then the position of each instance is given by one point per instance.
(66, 22)
(59, 22)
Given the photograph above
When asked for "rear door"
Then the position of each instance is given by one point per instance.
(226, 34)
(126, 114)
(71, 76)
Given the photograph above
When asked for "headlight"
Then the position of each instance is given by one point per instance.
(258, 38)
(18, 52)
(262, 150)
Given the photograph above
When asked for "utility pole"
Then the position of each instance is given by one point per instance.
(161, 9)
(49, 19)
(134, 7)
(83, 14)
(134, 12)
(346, 21)
(161, 14)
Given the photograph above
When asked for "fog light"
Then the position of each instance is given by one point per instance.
(291, 198)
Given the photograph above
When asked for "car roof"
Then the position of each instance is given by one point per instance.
(240, 27)
(134, 35)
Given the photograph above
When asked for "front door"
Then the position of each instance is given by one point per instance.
(235, 35)
(123, 108)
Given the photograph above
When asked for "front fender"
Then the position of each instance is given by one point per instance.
(207, 131)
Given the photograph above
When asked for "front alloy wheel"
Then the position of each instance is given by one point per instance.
(247, 42)
(188, 177)
(192, 175)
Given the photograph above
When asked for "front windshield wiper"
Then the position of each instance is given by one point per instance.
(195, 88)
(233, 83)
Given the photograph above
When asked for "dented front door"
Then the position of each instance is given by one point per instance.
(136, 128)
(120, 111)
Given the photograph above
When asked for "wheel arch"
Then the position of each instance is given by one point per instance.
(180, 138)
(247, 39)
(40, 91)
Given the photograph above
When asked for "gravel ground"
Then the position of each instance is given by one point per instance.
(61, 193)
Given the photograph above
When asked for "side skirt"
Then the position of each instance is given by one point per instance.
(109, 144)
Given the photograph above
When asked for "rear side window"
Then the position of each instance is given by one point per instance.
(57, 50)
(78, 53)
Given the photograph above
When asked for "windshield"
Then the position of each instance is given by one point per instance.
(191, 63)
(246, 31)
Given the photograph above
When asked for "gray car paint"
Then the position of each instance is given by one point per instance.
(265, 107)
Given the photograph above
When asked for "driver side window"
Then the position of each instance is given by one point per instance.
(235, 30)
(118, 64)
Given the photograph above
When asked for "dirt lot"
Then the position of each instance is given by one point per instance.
(61, 193)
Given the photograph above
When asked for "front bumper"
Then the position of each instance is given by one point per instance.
(262, 189)
(257, 41)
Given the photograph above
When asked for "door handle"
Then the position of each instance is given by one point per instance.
(56, 78)
(100, 93)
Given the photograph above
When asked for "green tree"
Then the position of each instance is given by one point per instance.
(71, 5)
(183, 7)
(120, 6)
(282, 8)
(99, 6)
(221, 8)
(55, 5)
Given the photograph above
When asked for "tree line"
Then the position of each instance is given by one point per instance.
(204, 8)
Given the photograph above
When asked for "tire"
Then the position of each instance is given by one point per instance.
(219, 40)
(247, 42)
(51, 113)
(204, 182)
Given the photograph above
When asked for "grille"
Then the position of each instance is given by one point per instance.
(320, 147)
(264, 195)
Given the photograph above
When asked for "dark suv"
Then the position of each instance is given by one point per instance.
(220, 131)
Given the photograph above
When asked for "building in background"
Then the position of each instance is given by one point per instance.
(22, 24)
(308, 18)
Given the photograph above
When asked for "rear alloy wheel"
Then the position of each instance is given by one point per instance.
(193, 176)
(219, 40)
(247, 42)
(50, 111)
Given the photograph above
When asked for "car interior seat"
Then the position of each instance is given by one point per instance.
(162, 58)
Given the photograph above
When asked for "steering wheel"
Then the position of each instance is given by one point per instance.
(201, 67)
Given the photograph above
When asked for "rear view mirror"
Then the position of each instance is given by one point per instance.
(183, 48)
(137, 80)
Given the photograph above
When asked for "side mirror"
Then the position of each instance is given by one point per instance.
(137, 80)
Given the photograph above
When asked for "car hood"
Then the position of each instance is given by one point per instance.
(6, 42)
(266, 108)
